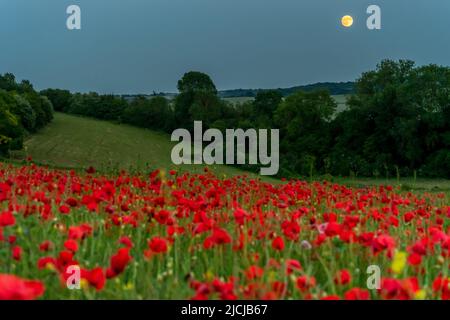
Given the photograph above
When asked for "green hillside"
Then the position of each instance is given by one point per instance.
(77, 142)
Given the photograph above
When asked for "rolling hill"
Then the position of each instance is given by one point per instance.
(78, 142)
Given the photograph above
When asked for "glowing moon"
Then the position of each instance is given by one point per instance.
(347, 21)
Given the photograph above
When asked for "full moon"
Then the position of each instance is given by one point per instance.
(347, 21)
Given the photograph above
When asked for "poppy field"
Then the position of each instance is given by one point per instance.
(172, 235)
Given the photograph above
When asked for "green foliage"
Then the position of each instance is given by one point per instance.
(303, 119)
(59, 98)
(195, 82)
(42, 107)
(397, 118)
(22, 111)
(197, 101)
(21, 107)
(154, 113)
(264, 107)
(11, 133)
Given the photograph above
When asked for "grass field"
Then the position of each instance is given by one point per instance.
(77, 142)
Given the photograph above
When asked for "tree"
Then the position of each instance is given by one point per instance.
(59, 98)
(154, 113)
(25, 113)
(22, 110)
(8, 82)
(11, 132)
(264, 107)
(195, 82)
(396, 120)
(197, 100)
(303, 119)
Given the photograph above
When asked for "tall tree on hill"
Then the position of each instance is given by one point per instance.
(197, 100)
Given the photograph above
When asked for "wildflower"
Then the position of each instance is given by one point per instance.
(71, 245)
(357, 294)
(343, 277)
(7, 219)
(15, 288)
(399, 262)
(278, 244)
(17, 253)
(64, 209)
(118, 263)
(158, 245)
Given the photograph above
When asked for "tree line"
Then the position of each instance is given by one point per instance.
(22, 111)
(335, 88)
(397, 122)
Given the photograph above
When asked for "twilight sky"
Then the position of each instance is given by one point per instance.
(137, 46)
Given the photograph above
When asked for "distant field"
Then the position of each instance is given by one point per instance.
(76, 142)
(341, 101)
(239, 99)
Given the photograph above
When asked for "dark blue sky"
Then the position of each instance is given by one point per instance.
(137, 46)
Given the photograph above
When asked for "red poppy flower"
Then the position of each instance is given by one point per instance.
(218, 237)
(45, 246)
(126, 241)
(343, 277)
(254, 272)
(71, 245)
(240, 215)
(15, 288)
(415, 259)
(357, 294)
(72, 202)
(158, 245)
(96, 278)
(80, 232)
(64, 209)
(46, 262)
(17, 253)
(12, 239)
(332, 229)
(305, 283)
(118, 263)
(292, 265)
(162, 216)
(278, 244)
(7, 219)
